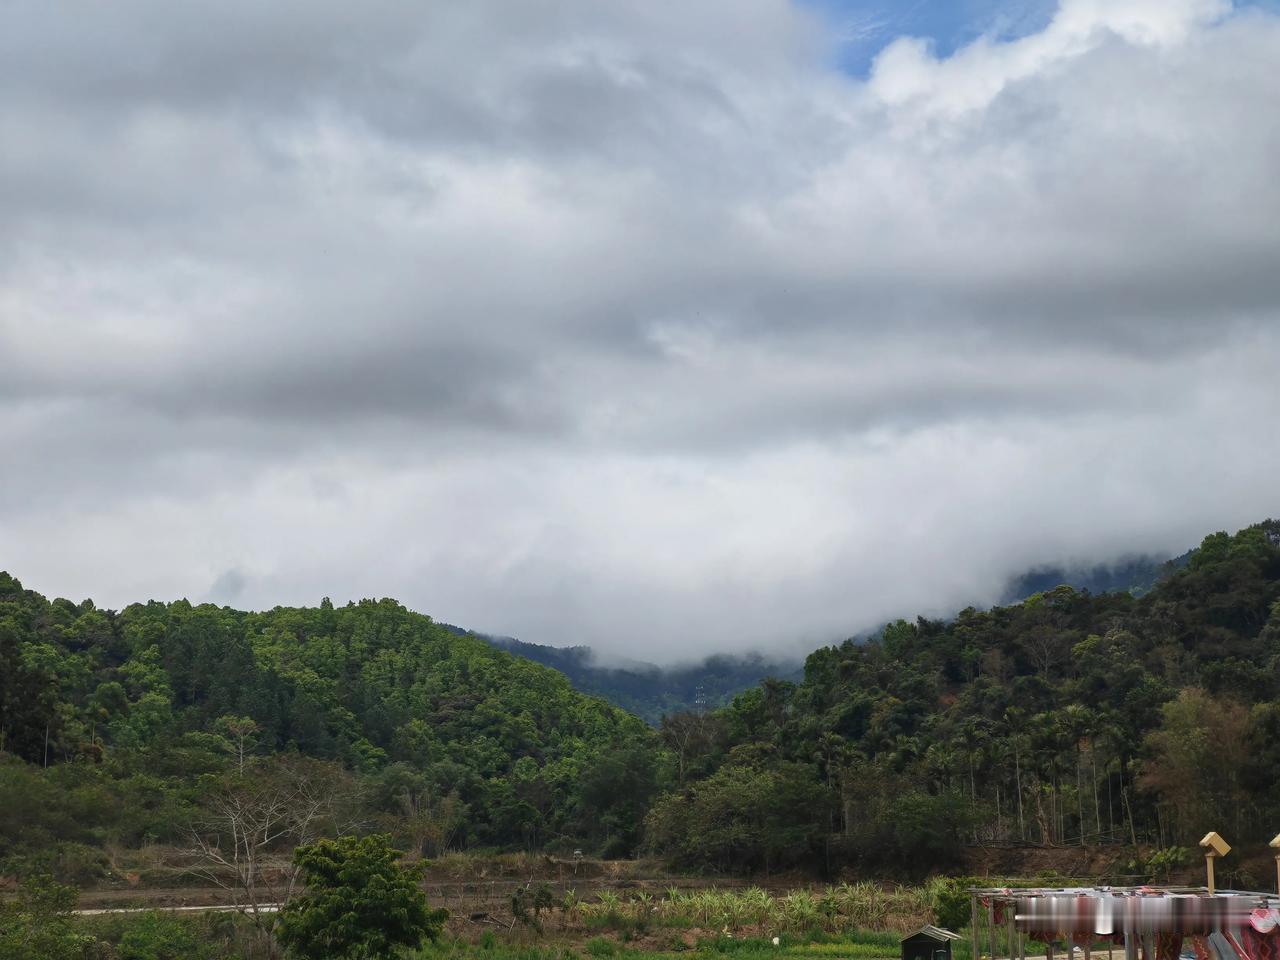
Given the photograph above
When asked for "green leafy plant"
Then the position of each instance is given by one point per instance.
(360, 903)
(951, 901)
(157, 936)
(601, 947)
(39, 923)
(528, 903)
(1163, 862)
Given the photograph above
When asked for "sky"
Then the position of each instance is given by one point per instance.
(669, 328)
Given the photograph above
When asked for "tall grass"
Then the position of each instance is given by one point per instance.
(838, 909)
(814, 946)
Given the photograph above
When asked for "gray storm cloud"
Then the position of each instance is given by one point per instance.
(630, 324)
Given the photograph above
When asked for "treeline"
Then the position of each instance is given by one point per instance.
(1066, 719)
(647, 690)
(114, 727)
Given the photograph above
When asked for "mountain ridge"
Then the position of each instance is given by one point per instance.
(651, 691)
(648, 690)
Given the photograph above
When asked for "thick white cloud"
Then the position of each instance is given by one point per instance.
(628, 324)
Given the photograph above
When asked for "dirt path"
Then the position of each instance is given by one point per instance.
(462, 898)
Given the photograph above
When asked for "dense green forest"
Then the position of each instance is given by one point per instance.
(114, 727)
(1069, 718)
(1066, 719)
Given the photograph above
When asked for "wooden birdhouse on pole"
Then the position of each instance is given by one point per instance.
(1214, 847)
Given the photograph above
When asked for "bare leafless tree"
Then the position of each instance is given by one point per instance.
(243, 732)
(250, 824)
(688, 735)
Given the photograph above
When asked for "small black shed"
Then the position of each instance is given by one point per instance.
(928, 943)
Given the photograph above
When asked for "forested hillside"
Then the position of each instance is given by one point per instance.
(1066, 719)
(650, 691)
(114, 724)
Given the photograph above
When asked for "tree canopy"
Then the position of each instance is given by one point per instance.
(110, 720)
(1067, 718)
(360, 904)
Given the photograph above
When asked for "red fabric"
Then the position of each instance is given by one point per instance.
(1234, 940)
(1258, 945)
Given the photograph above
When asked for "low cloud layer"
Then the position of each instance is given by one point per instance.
(630, 324)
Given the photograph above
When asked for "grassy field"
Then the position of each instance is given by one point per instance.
(496, 916)
(854, 945)
(862, 921)
(848, 922)
(750, 924)
(227, 937)
(835, 909)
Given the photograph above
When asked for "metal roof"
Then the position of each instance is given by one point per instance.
(934, 933)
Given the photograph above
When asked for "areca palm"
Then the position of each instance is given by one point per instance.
(973, 735)
(1014, 718)
(1077, 720)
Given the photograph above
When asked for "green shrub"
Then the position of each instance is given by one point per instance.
(951, 901)
(65, 861)
(1163, 862)
(601, 947)
(38, 923)
(359, 903)
(159, 936)
(528, 904)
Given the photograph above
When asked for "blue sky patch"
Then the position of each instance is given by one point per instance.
(865, 27)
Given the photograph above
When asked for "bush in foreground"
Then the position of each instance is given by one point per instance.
(360, 903)
(39, 923)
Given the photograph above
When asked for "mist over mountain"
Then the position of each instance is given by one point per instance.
(614, 324)
(648, 690)
(1135, 575)
(652, 691)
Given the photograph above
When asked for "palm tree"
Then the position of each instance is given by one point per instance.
(1046, 746)
(1077, 721)
(1096, 728)
(1115, 733)
(906, 751)
(1014, 716)
(973, 734)
(997, 754)
(941, 760)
